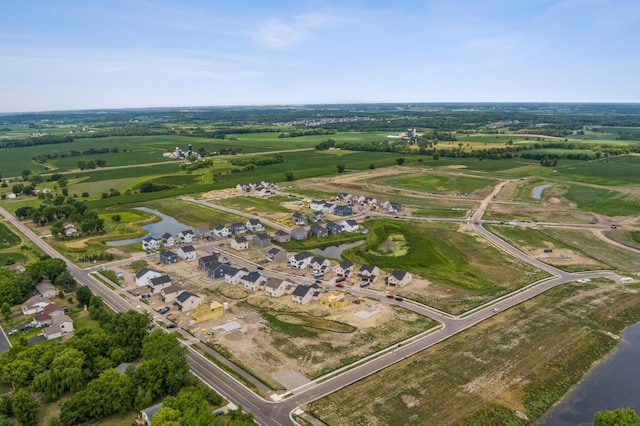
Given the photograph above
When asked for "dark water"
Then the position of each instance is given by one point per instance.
(537, 191)
(167, 224)
(614, 383)
(335, 251)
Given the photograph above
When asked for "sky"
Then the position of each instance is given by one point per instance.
(69, 55)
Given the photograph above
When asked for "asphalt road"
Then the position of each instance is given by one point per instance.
(278, 413)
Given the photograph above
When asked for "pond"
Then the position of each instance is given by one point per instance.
(335, 251)
(614, 383)
(537, 191)
(166, 224)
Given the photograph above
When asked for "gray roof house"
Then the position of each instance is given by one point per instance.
(298, 219)
(238, 228)
(282, 236)
(316, 217)
(333, 228)
(318, 231)
(261, 240)
(277, 255)
(299, 233)
(168, 257)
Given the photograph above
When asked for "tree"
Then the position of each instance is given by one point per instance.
(6, 311)
(116, 218)
(288, 175)
(84, 295)
(57, 229)
(372, 166)
(24, 408)
(619, 417)
(400, 161)
(340, 167)
(65, 373)
(65, 280)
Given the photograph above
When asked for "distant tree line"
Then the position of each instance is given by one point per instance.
(36, 140)
(42, 158)
(305, 132)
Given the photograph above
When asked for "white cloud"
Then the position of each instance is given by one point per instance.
(279, 34)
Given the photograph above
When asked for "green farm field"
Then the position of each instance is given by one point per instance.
(603, 201)
(439, 183)
(257, 205)
(613, 171)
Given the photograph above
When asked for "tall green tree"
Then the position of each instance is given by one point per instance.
(24, 408)
(619, 417)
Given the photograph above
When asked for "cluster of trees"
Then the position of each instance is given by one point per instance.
(91, 164)
(42, 158)
(196, 165)
(59, 209)
(16, 287)
(154, 187)
(36, 140)
(305, 132)
(257, 160)
(628, 136)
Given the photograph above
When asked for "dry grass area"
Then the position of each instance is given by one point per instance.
(496, 362)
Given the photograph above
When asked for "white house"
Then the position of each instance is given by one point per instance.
(170, 293)
(304, 294)
(188, 301)
(34, 305)
(319, 264)
(399, 278)
(350, 225)
(60, 325)
(157, 284)
(187, 253)
(168, 240)
(328, 207)
(369, 273)
(233, 275)
(221, 231)
(254, 225)
(46, 289)
(275, 287)
(300, 260)
(150, 243)
(239, 243)
(343, 269)
(317, 205)
(186, 236)
(144, 275)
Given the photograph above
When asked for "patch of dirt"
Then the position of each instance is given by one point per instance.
(410, 401)
(453, 166)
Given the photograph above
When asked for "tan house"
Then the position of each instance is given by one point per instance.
(239, 243)
(275, 287)
(46, 289)
(208, 311)
(60, 325)
(188, 301)
(399, 278)
(343, 269)
(34, 305)
(253, 282)
(170, 293)
(369, 273)
(46, 316)
(334, 299)
(157, 284)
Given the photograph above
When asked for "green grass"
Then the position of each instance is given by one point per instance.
(256, 204)
(613, 171)
(7, 238)
(193, 214)
(602, 201)
(12, 256)
(330, 240)
(438, 183)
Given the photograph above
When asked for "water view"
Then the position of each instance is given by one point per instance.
(537, 191)
(166, 224)
(615, 383)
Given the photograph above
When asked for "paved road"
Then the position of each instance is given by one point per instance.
(278, 413)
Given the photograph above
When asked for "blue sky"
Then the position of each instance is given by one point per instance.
(59, 55)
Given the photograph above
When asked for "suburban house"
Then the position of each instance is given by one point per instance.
(46, 289)
(276, 255)
(233, 275)
(275, 287)
(261, 240)
(186, 236)
(253, 282)
(317, 205)
(144, 275)
(316, 217)
(239, 243)
(328, 208)
(268, 184)
(168, 240)
(300, 260)
(243, 187)
(344, 197)
(238, 228)
(168, 257)
(392, 207)
(298, 219)
(254, 225)
(350, 225)
(217, 269)
(205, 260)
(69, 229)
(261, 191)
(150, 243)
(318, 231)
(399, 278)
(304, 294)
(204, 232)
(147, 414)
(319, 264)
(209, 311)
(188, 301)
(187, 253)
(299, 233)
(34, 305)
(333, 228)
(334, 299)
(156, 285)
(221, 231)
(343, 269)
(369, 273)
(343, 211)
(282, 236)
(60, 325)
(170, 293)
(46, 316)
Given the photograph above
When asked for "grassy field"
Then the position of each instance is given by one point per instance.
(482, 376)
(439, 183)
(464, 270)
(193, 214)
(602, 201)
(256, 204)
(7, 238)
(613, 171)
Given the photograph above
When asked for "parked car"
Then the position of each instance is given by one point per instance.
(145, 296)
(218, 413)
(390, 296)
(340, 285)
(399, 299)
(172, 325)
(364, 285)
(164, 310)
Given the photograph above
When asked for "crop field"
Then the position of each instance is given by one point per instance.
(257, 205)
(594, 247)
(602, 201)
(193, 214)
(463, 269)
(440, 183)
(483, 375)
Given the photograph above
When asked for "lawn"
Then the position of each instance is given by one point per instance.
(439, 183)
(613, 171)
(465, 269)
(523, 359)
(257, 205)
(193, 214)
(602, 201)
(7, 238)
